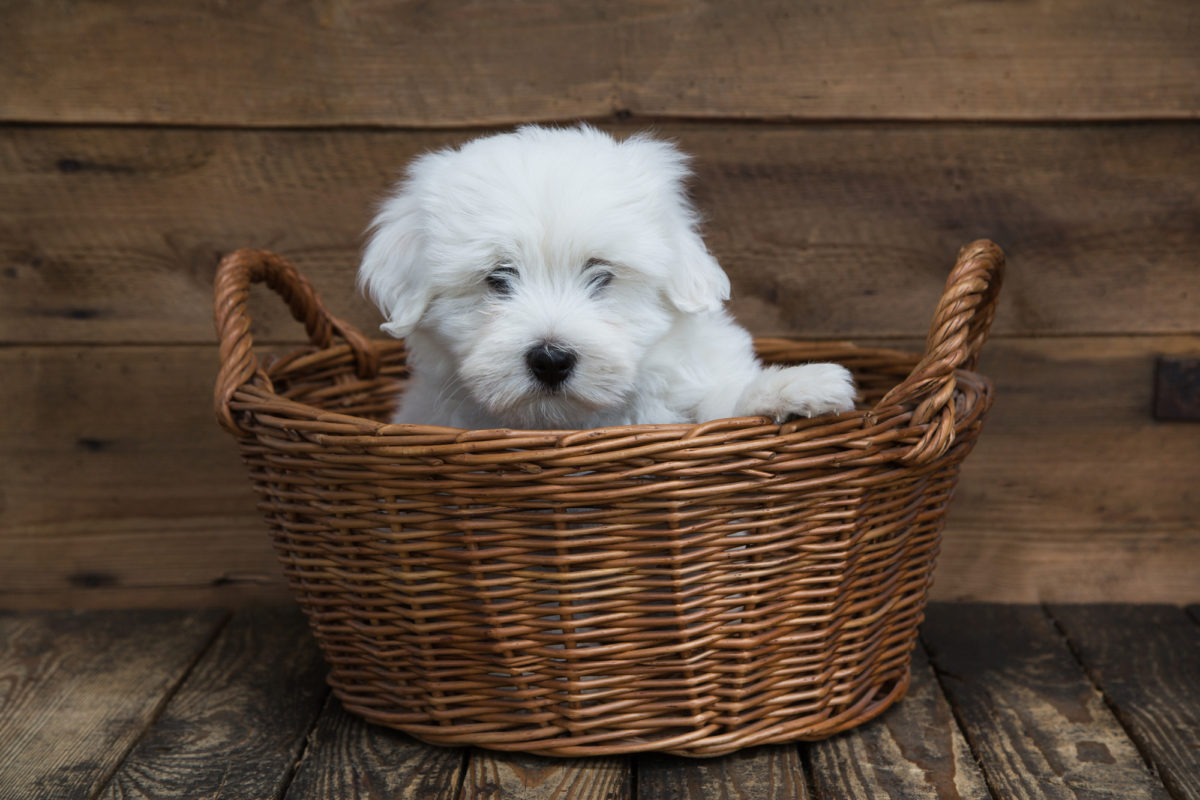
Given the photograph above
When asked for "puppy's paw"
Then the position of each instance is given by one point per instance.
(807, 391)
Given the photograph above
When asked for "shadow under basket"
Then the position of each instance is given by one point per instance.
(691, 589)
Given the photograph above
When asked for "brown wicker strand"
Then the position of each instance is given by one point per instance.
(960, 326)
(231, 290)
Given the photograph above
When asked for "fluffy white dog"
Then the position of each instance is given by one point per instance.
(555, 278)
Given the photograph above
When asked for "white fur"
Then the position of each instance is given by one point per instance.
(654, 344)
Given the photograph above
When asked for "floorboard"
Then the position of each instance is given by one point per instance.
(1038, 726)
(78, 689)
(915, 750)
(348, 758)
(760, 773)
(1095, 701)
(235, 727)
(1153, 688)
(493, 774)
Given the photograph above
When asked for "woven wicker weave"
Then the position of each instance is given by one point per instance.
(692, 589)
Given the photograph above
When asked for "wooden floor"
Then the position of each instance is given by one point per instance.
(1007, 702)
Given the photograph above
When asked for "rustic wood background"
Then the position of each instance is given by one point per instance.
(843, 153)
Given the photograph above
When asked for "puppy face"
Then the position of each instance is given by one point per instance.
(543, 264)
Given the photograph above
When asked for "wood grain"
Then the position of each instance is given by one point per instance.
(133, 478)
(956, 60)
(460, 63)
(80, 688)
(761, 773)
(834, 230)
(498, 775)
(1072, 494)
(914, 750)
(235, 727)
(191, 592)
(290, 63)
(1146, 661)
(1038, 726)
(348, 758)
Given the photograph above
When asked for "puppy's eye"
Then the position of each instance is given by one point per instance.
(600, 281)
(600, 274)
(500, 280)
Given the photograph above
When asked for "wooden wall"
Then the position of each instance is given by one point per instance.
(843, 153)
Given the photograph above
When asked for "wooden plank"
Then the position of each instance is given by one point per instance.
(835, 230)
(156, 494)
(915, 750)
(1073, 493)
(781, 59)
(759, 773)
(80, 688)
(459, 63)
(1146, 661)
(451, 63)
(346, 757)
(235, 727)
(1038, 727)
(496, 774)
(189, 592)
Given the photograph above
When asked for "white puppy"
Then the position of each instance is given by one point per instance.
(554, 278)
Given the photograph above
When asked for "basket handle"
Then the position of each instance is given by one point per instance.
(960, 327)
(231, 288)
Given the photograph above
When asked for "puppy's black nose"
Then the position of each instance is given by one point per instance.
(550, 364)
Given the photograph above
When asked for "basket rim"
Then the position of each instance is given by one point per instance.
(274, 369)
(388, 350)
(960, 326)
(850, 439)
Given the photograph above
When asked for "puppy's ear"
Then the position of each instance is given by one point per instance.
(391, 273)
(696, 282)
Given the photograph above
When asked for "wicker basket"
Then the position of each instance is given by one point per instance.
(692, 589)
